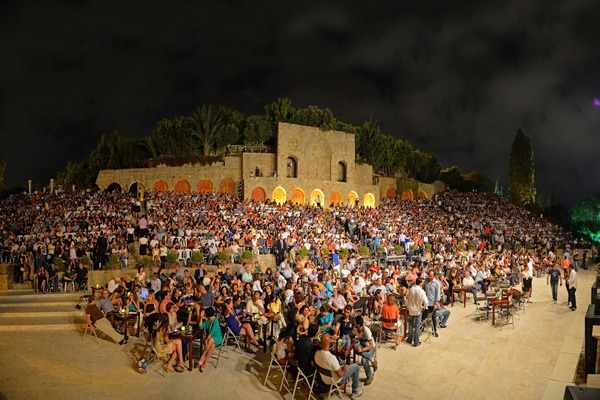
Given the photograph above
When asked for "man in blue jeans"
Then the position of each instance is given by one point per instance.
(416, 303)
(324, 359)
(366, 348)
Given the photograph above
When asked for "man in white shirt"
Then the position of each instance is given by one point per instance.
(470, 286)
(326, 360)
(572, 281)
(416, 303)
(366, 348)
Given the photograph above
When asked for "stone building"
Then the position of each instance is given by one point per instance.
(309, 166)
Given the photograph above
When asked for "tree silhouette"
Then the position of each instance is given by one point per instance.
(521, 173)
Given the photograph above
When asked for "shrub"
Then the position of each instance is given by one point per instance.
(197, 257)
(428, 247)
(113, 262)
(223, 256)
(85, 260)
(345, 252)
(302, 252)
(171, 257)
(59, 262)
(364, 250)
(325, 251)
(399, 250)
(247, 255)
(146, 262)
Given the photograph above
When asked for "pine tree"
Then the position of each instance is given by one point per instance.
(521, 173)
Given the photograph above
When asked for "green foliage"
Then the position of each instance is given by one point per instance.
(171, 257)
(585, 217)
(314, 116)
(197, 257)
(344, 252)
(424, 167)
(247, 255)
(174, 137)
(302, 252)
(77, 174)
(147, 262)
(223, 256)
(258, 130)
(234, 124)
(112, 263)
(472, 246)
(150, 146)
(325, 250)
(387, 155)
(521, 172)
(399, 250)
(85, 260)
(59, 262)
(207, 125)
(108, 154)
(474, 180)
(428, 247)
(507, 246)
(363, 251)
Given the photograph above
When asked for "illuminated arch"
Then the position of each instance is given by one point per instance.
(279, 195)
(259, 194)
(407, 195)
(114, 186)
(204, 186)
(138, 189)
(182, 186)
(227, 186)
(313, 197)
(160, 186)
(422, 195)
(297, 196)
(369, 200)
(391, 193)
(335, 197)
(352, 197)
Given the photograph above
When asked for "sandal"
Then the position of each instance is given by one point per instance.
(179, 368)
(169, 370)
(201, 368)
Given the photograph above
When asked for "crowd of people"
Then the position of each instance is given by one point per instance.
(334, 272)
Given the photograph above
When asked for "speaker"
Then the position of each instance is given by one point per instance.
(591, 344)
(581, 393)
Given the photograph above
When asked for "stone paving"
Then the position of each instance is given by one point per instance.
(468, 360)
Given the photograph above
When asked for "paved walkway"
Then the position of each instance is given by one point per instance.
(469, 360)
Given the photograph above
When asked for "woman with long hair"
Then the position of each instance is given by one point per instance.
(164, 345)
(214, 337)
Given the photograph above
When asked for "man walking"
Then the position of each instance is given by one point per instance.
(553, 278)
(416, 304)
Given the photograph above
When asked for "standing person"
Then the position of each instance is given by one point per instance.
(527, 280)
(553, 278)
(572, 287)
(584, 260)
(416, 304)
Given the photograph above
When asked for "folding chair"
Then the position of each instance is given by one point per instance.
(230, 336)
(333, 386)
(483, 311)
(506, 315)
(301, 377)
(387, 330)
(274, 362)
(85, 331)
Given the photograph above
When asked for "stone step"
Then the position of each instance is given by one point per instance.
(28, 310)
(43, 323)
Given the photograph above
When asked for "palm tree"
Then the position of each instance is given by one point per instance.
(149, 144)
(206, 125)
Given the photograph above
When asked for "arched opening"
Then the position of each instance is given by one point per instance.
(227, 186)
(369, 200)
(114, 186)
(204, 186)
(182, 186)
(313, 197)
(297, 196)
(291, 167)
(279, 195)
(341, 171)
(160, 186)
(138, 189)
(422, 195)
(391, 193)
(407, 195)
(258, 194)
(352, 199)
(335, 198)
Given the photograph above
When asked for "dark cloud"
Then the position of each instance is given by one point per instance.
(454, 78)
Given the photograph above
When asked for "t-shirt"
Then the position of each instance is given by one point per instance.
(346, 327)
(328, 361)
(324, 320)
(554, 275)
(94, 313)
(365, 336)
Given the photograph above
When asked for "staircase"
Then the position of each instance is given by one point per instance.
(23, 309)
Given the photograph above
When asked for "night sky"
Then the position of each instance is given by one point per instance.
(457, 78)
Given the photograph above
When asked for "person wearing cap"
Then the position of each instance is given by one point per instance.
(96, 319)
